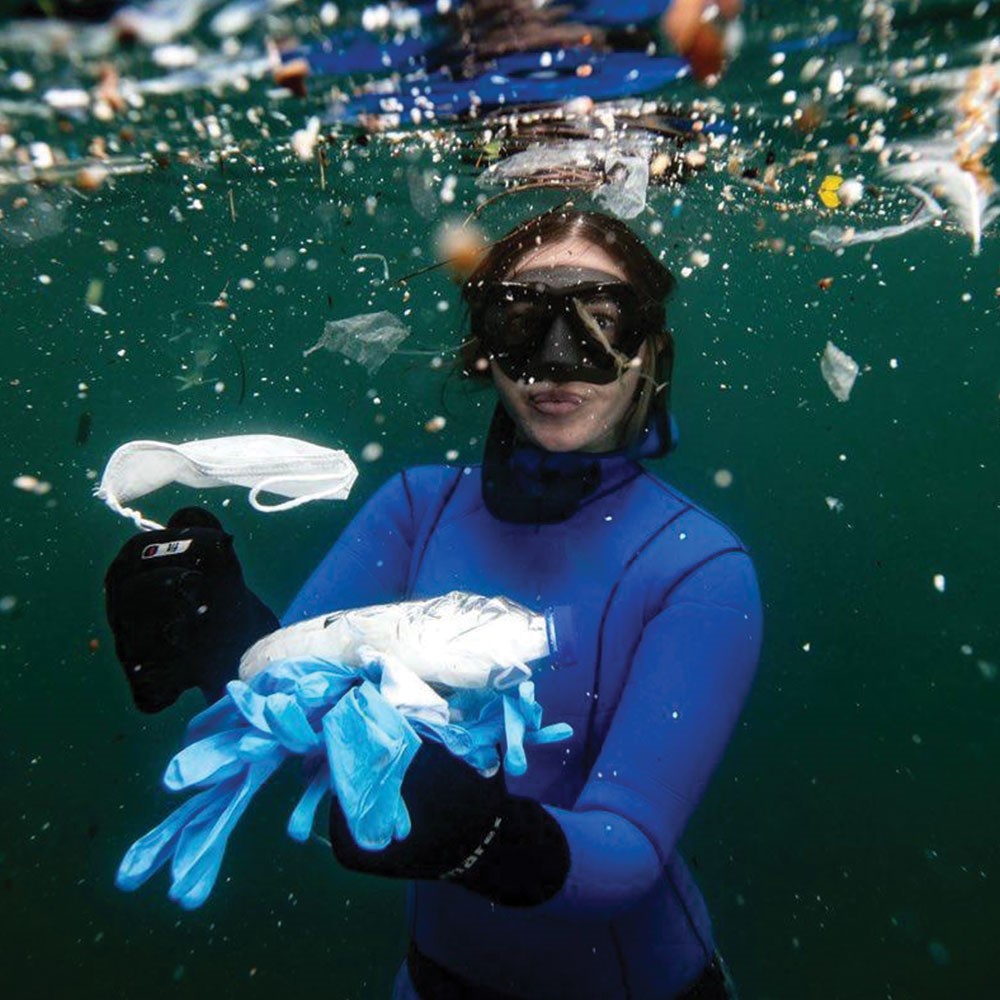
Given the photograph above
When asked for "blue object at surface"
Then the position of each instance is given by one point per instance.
(668, 627)
(522, 78)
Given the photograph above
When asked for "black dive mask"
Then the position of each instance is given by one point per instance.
(563, 324)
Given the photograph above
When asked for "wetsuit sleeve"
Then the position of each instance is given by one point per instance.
(370, 561)
(689, 678)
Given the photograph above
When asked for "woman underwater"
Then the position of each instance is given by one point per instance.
(566, 881)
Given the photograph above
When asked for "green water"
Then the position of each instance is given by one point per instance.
(847, 847)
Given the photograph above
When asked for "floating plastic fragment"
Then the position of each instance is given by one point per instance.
(953, 163)
(967, 188)
(624, 193)
(368, 338)
(836, 237)
(828, 190)
(840, 370)
(851, 192)
(618, 177)
(157, 22)
(241, 15)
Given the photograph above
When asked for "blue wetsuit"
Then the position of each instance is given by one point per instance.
(652, 673)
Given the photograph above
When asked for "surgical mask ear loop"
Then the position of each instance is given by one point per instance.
(265, 486)
(141, 522)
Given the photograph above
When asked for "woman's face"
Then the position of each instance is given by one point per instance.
(568, 416)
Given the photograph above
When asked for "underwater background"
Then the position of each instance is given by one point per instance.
(848, 846)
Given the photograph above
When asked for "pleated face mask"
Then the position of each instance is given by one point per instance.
(297, 470)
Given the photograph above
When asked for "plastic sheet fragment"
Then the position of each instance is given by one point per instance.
(837, 237)
(840, 370)
(367, 339)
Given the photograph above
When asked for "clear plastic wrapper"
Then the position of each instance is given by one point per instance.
(368, 339)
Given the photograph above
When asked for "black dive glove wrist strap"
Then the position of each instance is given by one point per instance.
(465, 829)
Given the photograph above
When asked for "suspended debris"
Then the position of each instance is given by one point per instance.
(367, 339)
(840, 370)
(953, 163)
(838, 237)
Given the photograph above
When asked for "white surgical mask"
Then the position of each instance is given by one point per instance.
(297, 470)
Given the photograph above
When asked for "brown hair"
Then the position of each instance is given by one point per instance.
(643, 271)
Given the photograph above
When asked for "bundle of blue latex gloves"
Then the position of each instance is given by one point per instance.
(352, 743)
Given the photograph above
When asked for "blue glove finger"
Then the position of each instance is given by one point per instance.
(288, 723)
(369, 746)
(255, 746)
(249, 703)
(402, 825)
(196, 863)
(514, 761)
(529, 709)
(549, 734)
(300, 823)
(150, 852)
(216, 718)
(208, 761)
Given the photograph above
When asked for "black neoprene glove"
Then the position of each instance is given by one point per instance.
(180, 611)
(467, 829)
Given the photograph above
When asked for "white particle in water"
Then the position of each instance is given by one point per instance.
(723, 478)
(939, 582)
(7, 603)
(372, 451)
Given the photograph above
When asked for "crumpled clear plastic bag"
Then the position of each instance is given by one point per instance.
(347, 724)
(458, 640)
(367, 339)
(618, 176)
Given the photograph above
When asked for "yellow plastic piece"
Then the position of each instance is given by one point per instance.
(828, 190)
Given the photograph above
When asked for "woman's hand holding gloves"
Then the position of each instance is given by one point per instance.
(467, 829)
(180, 611)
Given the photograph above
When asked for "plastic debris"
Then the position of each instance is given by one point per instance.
(297, 470)
(618, 176)
(352, 695)
(965, 186)
(840, 370)
(837, 237)
(241, 15)
(624, 192)
(828, 190)
(953, 162)
(367, 339)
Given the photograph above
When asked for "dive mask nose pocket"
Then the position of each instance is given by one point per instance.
(587, 331)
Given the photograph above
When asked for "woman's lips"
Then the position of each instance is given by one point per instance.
(554, 402)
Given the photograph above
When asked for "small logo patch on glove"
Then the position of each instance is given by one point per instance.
(477, 854)
(167, 548)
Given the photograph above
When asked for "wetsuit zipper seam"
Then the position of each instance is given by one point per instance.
(627, 995)
(588, 746)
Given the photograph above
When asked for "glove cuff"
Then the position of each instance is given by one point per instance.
(522, 861)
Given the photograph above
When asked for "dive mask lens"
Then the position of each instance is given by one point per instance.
(585, 331)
